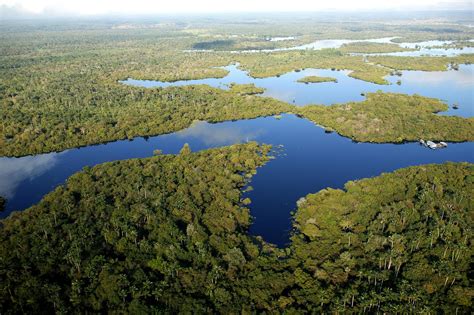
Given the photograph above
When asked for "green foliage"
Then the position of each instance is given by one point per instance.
(162, 233)
(186, 150)
(243, 43)
(420, 63)
(168, 234)
(214, 45)
(245, 89)
(370, 48)
(390, 117)
(59, 82)
(397, 243)
(316, 79)
(2, 203)
(57, 122)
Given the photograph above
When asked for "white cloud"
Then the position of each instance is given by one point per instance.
(93, 7)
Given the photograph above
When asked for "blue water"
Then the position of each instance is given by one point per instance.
(450, 86)
(310, 160)
(425, 48)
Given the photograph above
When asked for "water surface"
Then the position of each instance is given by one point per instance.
(453, 87)
(311, 160)
(424, 48)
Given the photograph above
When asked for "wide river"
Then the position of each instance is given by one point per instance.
(310, 160)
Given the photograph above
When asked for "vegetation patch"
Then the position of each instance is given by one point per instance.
(214, 45)
(107, 113)
(316, 79)
(390, 117)
(421, 63)
(168, 233)
(391, 243)
(245, 89)
(371, 48)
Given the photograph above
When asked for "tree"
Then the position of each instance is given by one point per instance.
(186, 150)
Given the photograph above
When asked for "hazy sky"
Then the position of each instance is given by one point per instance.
(91, 7)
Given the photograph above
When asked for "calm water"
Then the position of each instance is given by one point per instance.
(337, 43)
(429, 48)
(311, 160)
(450, 86)
(424, 48)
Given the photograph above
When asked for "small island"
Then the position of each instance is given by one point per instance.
(245, 89)
(316, 79)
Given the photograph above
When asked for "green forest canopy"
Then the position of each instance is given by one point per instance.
(169, 233)
(59, 83)
(121, 112)
(391, 117)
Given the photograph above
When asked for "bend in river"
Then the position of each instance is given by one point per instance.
(311, 160)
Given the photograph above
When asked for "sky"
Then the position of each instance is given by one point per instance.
(100, 7)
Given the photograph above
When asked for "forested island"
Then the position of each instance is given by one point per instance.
(316, 79)
(169, 233)
(387, 117)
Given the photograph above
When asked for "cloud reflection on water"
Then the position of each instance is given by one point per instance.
(463, 78)
(13, 171)
(216, 135)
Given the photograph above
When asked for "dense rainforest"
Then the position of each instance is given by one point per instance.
(60, 84)
(389, 117)
(169, 233)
